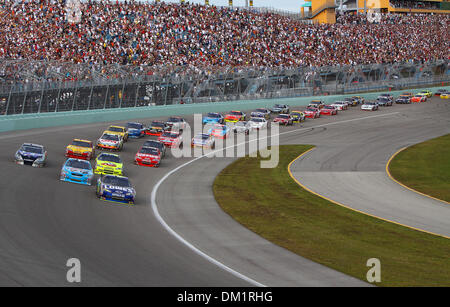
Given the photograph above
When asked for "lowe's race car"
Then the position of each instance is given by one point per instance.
(115, 189)
(136, 130)
(31, 154)
(77, 171)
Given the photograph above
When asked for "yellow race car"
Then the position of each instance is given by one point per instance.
(445, 95)
(80, 149)
(426, 93)
(122, 131)
(108, 164)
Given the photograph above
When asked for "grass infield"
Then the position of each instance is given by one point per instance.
(270, 203)
(425, 167)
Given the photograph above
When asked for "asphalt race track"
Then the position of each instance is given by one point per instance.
(44, 222)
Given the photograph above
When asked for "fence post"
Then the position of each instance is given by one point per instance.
(106, 97)
(9, 99)
(90, 96)
(137, 92)
(74, 95)
(59, 95)
(24, 101)
(42, 97)
(122, 94)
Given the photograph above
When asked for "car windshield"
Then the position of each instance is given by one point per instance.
(109, 158)
(283, 116)
(278, 106)
(241, 124)
(81, 144)
(81, 164)
(213, 115)
(174, 119)
(117, 181)
(295, 114)
(170, 134)
(149, 151)
(115, 129)
(134, 126)
(202, 137)
(311, 109)
(158, 124)
(153, 144)
(32, 149)
(260, 110)
(315, 102)
(235, 113)
(257, 120)
(110, 137)
(328, 107)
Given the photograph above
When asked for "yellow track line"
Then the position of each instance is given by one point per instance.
(411, 189)
(347, 207)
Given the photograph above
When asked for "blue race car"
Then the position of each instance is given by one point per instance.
(116, 189)
(136, 130)
(77, 171)
(31, 154)
(213, 118)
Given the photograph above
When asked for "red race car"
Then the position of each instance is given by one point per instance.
(148, 156)
(312, 112)
(419, 98)
(283, 119)
(171, 139)
(328, 110)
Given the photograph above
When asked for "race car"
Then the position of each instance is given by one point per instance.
(351, 101)
(156, 144)
(80, 149)
(213, 118)
(440, 91)
(242, 127)
(283, 119)
(110, 141)
(171, 139)
(311, 112)
(157, 127)
(297, 116)
(31, 154)
(384, 101)
(445, 95)
(203, 140)
(148, 156)
(319, 104)
(258, 123)
(426, 93)
(136, 130)
(359, 99)
(387, 96)
(340, 105)
(235, 116)
(280, 109)
(176, 123)
(419, 98)
(107, 163)
(122, 131)
(77, 171)
(115, 189)
(261, 112)
(369, 106)
(220, 131)
(328, 110)
(404, 98)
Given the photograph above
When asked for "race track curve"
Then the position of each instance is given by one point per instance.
(44, 222)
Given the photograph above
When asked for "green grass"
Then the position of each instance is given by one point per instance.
(425, 167)
(270, 203)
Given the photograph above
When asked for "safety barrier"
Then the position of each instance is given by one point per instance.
(54, 119)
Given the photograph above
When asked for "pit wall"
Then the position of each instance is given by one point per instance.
(54, 119)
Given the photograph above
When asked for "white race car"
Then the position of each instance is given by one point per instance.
(257, 123)
(340, 105)
(369, 106)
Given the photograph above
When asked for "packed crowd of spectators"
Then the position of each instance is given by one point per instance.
(196, 36)
(403, 4)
